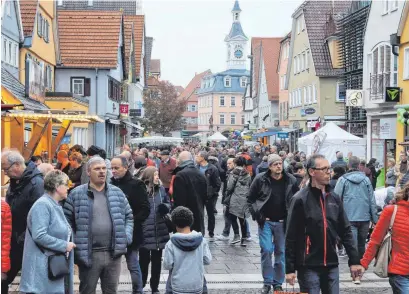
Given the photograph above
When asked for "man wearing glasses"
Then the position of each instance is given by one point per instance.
(316, 219)
(26, 186)
(269, 199)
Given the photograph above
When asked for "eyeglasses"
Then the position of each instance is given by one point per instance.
(324, 169)
(6, 170)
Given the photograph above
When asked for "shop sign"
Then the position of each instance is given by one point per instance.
(309, 111)
(296, 125)
(392, 94)
(355, 98)
(387, 128)
(282, 135)
(124, 109)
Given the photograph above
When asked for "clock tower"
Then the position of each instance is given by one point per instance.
(236, 42)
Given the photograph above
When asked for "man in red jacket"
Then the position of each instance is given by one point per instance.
(166, 168)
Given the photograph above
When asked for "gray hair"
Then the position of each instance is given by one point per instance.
(282, 153)
(123, 159)
(45, 168)
(353, 162)
(204, 154)
(311, 162)
(340, 155)
(54, 179)
(94, 160)
(14, 157)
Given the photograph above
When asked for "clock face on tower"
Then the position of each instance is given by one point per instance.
(238, 54)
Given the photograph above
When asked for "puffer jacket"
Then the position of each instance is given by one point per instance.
(21, 196)
(5, 236)
(355, 189)
(155, 231)
(400, 239)
(391, 177)
(238, 187)
(78, 211)
(262, 167)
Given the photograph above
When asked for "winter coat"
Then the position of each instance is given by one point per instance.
(21, 197)
(50, 231)
(213, 181)
(135, 191)
(339, 162)
(78, 211)
(374, 174)
(315, 223)
(190, 190)
(357, 195)
(215, 161)
(166, 170)
(260, 192)
(5, 236)
(391, 177)
(75, 175)
(262, 167)
(238, 187)
(400, 239)
(257, 159)
(299, 179)
(155, 231)
(185, 256)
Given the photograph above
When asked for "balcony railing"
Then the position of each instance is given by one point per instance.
(378, 85)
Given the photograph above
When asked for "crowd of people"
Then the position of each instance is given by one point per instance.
(149, 205)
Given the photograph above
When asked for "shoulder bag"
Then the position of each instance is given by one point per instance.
(383, 255)
(58, 263)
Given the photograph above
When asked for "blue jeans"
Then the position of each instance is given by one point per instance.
(360, 232)
(272, 240)
(400, 284)
(323, 279)
(132, 261)
(169, 284)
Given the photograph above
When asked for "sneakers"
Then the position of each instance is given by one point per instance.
(235, 240)
(242, 243)
(222, 238)
(248, 238)
(211, 238)
(266, 289)
(357, 281)
(278, 288)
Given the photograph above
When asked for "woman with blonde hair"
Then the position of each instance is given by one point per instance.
(398, 268)
(392, 173)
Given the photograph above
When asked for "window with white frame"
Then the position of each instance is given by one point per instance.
(299, 96)
(309, 95)
(233, 101)
(221, 101)
(305, 96)
(298, 23)
(227, 82)
(314, 94)
(302, 57)
(10, 52)
(383, 63)
(243, 82)
(389, 6)
(406, 64)
(90, 2)
(394, 5)
(232, 118)
(299, 63)
(302, 22)
(221, 119)
(78, 86)
(193, 107)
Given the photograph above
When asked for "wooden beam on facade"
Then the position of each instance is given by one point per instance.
(38, 131)
(61, 133)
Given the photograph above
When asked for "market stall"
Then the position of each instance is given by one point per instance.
(330, 139)
(156, 141)
(218, 137)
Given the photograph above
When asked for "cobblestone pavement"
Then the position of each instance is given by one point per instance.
(236, 269)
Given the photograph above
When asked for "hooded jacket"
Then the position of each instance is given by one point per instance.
(315, 222)
(213, 180)
(21, 196)
(135, 191)
(355, 190)
(262, 167)
(238, 187)
(185, 257)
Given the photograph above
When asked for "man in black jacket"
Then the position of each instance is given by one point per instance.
(26, 186)
(257, 158)
(190, 189)
(135, 191)
(269, 199)
(214, 183)
(316, 219)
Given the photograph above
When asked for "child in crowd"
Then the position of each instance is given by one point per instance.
(186, 253)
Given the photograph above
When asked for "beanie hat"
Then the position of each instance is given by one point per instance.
(93, 150)
(182, 217)
(272, 158)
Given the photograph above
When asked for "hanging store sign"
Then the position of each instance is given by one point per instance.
(282, 135)
(34, 83)
(309, 111)
(392, 94)
(124, 109)
(355, 98)
(387, 128)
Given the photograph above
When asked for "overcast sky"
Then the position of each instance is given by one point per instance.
(189, 34)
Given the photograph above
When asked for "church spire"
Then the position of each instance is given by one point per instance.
(236, 11)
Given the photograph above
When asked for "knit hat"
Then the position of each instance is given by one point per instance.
(165, 152)
(93, 150)
(272, 158)
(182, 217)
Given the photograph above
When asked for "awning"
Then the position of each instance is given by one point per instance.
(265, 134)
(283, 134)
(113, 121)
(132, 125)
(59, 116)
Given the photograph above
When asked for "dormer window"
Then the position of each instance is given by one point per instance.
(243, 82)
(227, 82)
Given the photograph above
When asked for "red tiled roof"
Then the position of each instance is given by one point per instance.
(138, 23)
(190, 91)
(155, 66)
(152, 81)
(28, 10)
(89, 38)
(270, 50)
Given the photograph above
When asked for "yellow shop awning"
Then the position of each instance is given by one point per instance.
(58, 116)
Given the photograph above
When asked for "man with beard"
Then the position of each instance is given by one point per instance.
(26, 186)
(257, 158)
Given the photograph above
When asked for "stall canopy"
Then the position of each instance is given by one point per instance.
(330, 139)
(217, 137)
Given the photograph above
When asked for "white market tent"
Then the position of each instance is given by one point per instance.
(217, 137)
(156, 140)
(330, 139)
